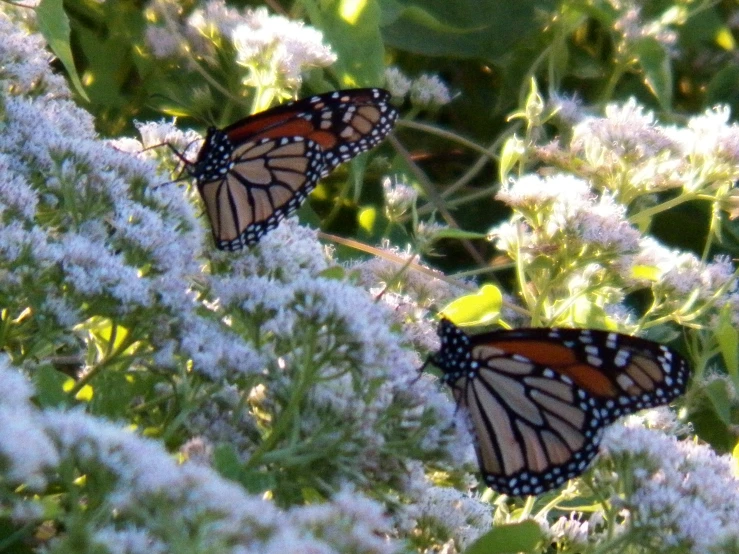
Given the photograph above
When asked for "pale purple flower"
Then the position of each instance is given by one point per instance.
(128, 540)
(561, 208)
(568, 108)
(532, 192)
(626, 132)
(396, 82)
(569, 531)
(683, 272)
(399, 197)
(25, 62)
(605, 225)
(633, 29)
(429, 91)
(163, 42)
(27, 453)
(463, 517)
(712, 137)
(684, 494)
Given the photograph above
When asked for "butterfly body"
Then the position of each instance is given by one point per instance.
(258, 170)
(539, 399)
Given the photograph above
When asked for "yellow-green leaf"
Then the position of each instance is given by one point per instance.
(480, 308)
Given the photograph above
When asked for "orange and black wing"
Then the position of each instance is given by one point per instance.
(625, 374)
(539, 399)
(344, 123)
(259, 170)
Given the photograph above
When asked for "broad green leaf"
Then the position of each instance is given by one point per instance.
(718, 395)
(226, 461)
(509, 539)
(335, 272)
(655, 63)
(480, 308)
(723, 87)
(484, 29)
(352, 28)
(49, 386)
(416, 14)
(54, 26)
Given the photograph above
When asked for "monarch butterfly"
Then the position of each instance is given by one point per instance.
(259, 170)
(539, 399)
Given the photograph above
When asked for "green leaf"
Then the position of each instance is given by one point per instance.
(352, 28)
(511, 538)
(416, 14)
(511, 153)
(728, 341)
(718, 395)
(226, 461)
(54, 26)
(458, 234)
(49, 387)
(655, 63)
(367, 219)
(335, 272)
(480, 308)
(484, 29)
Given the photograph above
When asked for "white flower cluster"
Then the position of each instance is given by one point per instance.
(629, 153)
(426, 91)
(290, 46)
(162, 503)
(262, 41)
(568, 210)
(684, 494)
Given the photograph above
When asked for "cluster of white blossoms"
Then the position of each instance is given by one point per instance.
(274, 43)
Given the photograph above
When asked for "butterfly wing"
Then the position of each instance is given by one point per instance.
(259, 170)
(266, 181)
(535, 429)
(539, 399)
(625, 374)
(344, 123)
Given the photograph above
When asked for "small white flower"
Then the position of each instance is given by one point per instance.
(396, 82)
(429, 91)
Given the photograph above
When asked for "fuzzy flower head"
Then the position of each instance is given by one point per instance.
(430, 92)
(276, 43)
(627, 132)
(711, 140)
(273, 49)
(632, 27)
(565, 208)
(681, 494)
(399, 197)
(681, 274)
(397, 83)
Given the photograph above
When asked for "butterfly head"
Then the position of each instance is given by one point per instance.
(214, 158)
(454, 355)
